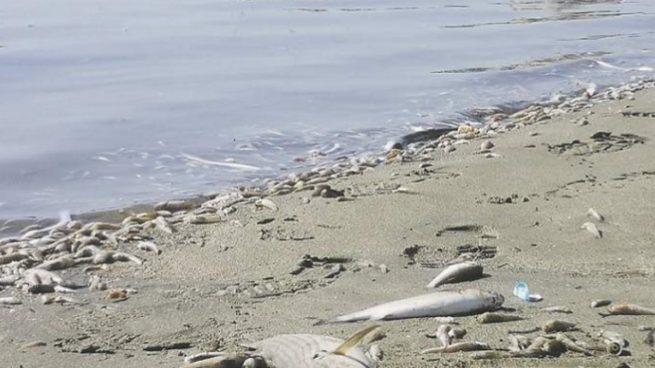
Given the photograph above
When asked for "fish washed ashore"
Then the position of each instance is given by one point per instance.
(516, 194)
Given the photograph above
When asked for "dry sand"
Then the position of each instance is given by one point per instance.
(203, 289)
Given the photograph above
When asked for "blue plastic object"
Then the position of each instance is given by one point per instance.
(522, 291)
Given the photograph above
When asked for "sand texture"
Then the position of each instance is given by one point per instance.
(523, 200)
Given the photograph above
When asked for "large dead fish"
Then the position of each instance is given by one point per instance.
(297, 351)
(464, 271)
(441, 303)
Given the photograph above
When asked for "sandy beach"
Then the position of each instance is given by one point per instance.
(523, 191)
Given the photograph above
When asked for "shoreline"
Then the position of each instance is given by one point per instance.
(477, 117)
(235, 270)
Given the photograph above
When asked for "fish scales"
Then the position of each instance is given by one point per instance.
(309, 351)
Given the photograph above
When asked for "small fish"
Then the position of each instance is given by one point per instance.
(10, 300)
(594, 214)
(443, 303)
(148, 246)
(489, 317)
(162, 225)
(265, 202)
(464, 271)
(204, 219)
(457, 347)
(558, 309)
(557, 326)
(629, 309)
(571, 345)
(600, 303)
(590, 227)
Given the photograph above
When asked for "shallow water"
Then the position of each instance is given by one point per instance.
(108, 103)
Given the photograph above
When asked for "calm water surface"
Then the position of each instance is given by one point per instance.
(108, 103)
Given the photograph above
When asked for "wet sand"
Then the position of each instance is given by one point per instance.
(218, 285)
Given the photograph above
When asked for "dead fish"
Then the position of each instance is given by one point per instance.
(464, 271)
(590, 227)
(557, 326)
(629, 309)
(220, 360)
(558, 309)
(592, 212)
(148, 246)
(600, 303)
(10, 300)
(202, 356)
(441, 303)
(489, 317)
(60, 263)
(460, 346)
(571, 345)
(518, 342)
(50, 299)
(442, 335)
(207, 218)
(117, 295)
(162, 225)
(175, 206)
(314, 351)
(488, 354)
(267, 203)
(614, 337)
(37, 276)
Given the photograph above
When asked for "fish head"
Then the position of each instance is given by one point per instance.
(496, 299)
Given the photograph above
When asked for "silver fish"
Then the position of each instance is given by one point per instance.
(441, 303)
(310, 351)
(464, 271)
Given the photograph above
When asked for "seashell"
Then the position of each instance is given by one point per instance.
(590, 227)
(558, 326)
